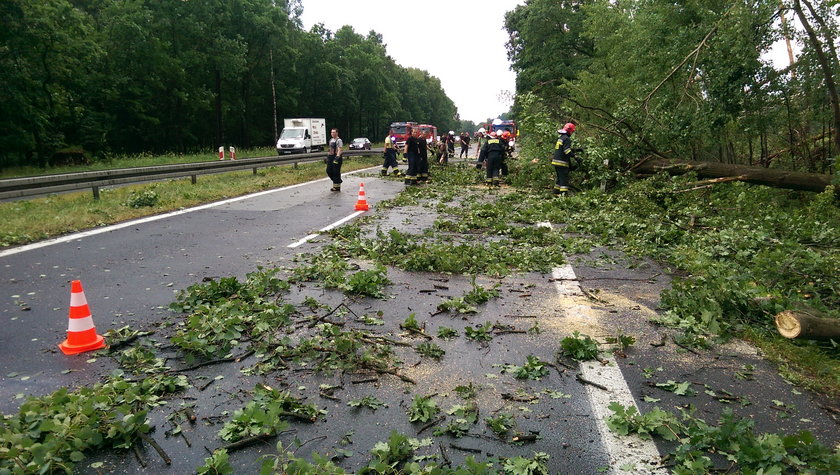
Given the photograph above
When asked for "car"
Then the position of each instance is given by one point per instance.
(360, 143)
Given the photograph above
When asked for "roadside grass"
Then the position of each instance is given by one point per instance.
(32, 220)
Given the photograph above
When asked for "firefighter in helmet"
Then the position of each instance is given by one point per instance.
(562, 158)
(493, 152)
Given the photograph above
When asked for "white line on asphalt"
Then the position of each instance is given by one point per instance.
(149, 219)
(325, 229)
(622, 451)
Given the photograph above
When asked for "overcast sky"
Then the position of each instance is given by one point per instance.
(460, 42)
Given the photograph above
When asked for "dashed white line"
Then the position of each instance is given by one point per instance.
(623, 451)
(325, 229)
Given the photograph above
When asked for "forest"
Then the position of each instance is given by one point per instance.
(688, 80)
(136, 76)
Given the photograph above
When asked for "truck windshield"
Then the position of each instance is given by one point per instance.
(291, 134)
(400, 129)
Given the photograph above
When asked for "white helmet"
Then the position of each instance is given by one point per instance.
(481, 130)
(451, 132)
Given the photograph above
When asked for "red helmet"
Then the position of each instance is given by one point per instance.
(569, 127)
(506, 134)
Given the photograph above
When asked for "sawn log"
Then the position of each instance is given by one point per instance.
(807, 325)
(756, 175)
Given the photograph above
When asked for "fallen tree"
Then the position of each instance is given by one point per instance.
(755, 175)
(808, 324)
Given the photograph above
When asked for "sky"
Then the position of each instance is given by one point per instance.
(461, 42)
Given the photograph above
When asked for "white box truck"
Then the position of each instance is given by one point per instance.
(302, 135)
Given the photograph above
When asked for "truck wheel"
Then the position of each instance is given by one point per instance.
(305, 149)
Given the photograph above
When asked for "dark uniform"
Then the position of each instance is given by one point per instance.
(423, 161)
(412, 154)
(334, 161)
(465, 146)
(494, 153)
(562, 161)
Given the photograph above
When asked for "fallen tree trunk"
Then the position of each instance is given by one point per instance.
(755, 175)
(807, 325)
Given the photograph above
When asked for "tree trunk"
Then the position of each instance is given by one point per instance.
(807, 324)
(826, 68)
(755, 175)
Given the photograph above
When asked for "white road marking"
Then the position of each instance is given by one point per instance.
(325, 229)
(623, 451)
(149, 219)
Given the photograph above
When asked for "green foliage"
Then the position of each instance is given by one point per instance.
(368, 282)
(422, 409)
(520, 465)
(480, 332)
(446, 333)
(622, 342)
(369, 401)
(457, 428)
(501, 424)
(579, 347)
(216, 464)
(267, 414)
(51, 433)
(410, 323)
(532, 369)
(479, 295)
(732, 438)
(468, 391)
(145, 198)
(680, 389)
(431, 350)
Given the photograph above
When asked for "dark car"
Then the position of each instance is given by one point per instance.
(361, 143)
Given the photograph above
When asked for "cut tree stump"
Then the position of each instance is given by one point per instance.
(807, 325)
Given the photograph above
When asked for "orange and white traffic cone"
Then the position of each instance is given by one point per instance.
(361, 203)
(81, 334)
(221, 153)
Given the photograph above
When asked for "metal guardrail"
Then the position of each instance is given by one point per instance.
(46, 184)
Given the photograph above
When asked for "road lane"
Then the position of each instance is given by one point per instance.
(131, 271)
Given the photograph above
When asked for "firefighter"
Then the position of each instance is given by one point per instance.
(465, 145)
(411, 150)
(423, 159)
(334, 160)
(493, 153)
(562, 159)
(508, 151)
(390, 157)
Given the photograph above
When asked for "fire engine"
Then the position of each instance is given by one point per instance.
(401, 131)
(428, 131)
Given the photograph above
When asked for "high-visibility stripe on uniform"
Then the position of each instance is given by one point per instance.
(80, 324)
(559, 163)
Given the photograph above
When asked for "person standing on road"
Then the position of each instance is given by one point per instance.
(465, 145)
(562, 158)
(423, 160)
(390, 157)
(412, 154)
(493, 153)
(334, 160)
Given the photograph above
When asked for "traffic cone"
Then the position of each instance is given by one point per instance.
(81, 334)
(361, 203)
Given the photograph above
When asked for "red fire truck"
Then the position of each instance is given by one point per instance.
(401, 131)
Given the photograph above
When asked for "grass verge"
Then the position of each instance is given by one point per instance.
(32, 220)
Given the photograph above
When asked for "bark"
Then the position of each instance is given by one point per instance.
(807, 324)
(825, 66)
(755, 175)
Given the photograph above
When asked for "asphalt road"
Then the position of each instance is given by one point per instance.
(130, 275)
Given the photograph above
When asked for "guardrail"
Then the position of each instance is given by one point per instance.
(46, 184)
